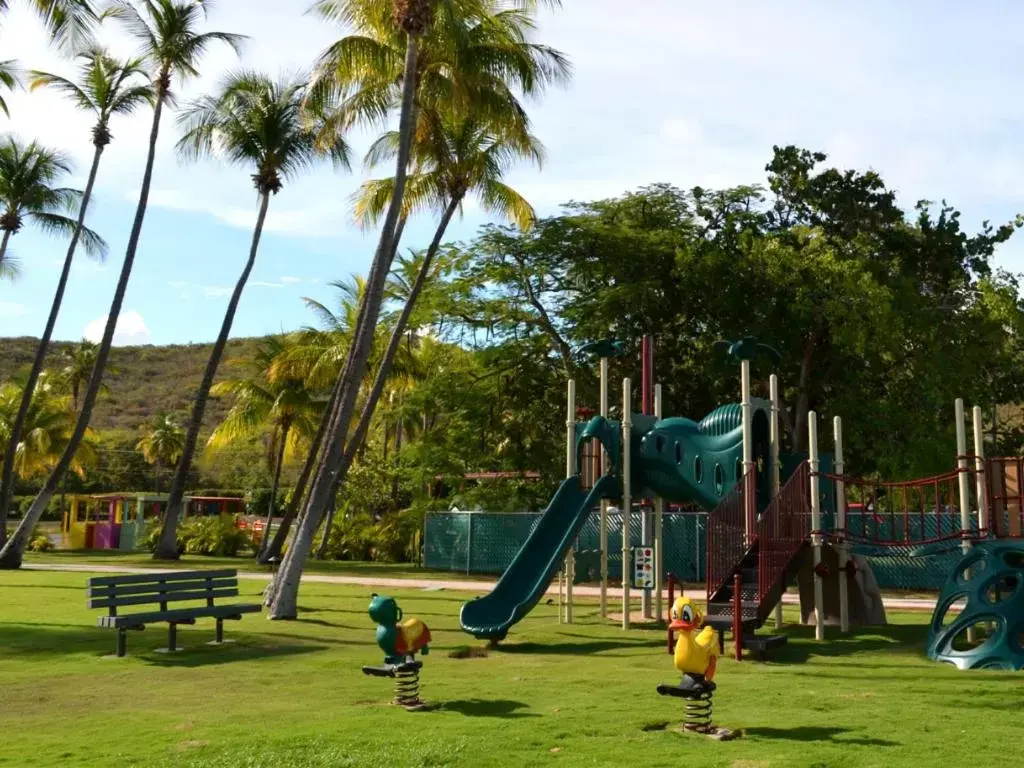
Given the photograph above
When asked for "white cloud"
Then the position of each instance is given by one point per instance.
(12, 309)
(211, 291)
(263, 284)
(290, 279)
(130, 330)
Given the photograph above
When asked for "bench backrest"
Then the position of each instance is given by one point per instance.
(113, 592)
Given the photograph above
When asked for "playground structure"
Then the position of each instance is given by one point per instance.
(770, 516)
(120, 520)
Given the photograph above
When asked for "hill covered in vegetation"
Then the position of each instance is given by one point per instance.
(141, 381)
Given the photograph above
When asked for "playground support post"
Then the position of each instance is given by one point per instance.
(570, 470)
(814, 464)
(748, 454)
(604, 502)
(627, 426)
(659, 528)
(844, 555)
(773, 393)
(979, 466)
(646, 408)
(963, 481)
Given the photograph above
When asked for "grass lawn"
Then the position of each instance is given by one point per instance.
(292, 694)
(194, 562)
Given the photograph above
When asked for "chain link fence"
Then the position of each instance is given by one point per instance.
(487, 542)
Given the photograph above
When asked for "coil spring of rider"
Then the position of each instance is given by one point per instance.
(407, 686)
(698, 712)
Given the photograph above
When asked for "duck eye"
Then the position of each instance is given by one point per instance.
(675, 613)
(687, 614)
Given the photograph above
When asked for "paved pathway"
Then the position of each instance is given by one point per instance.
(895, 603)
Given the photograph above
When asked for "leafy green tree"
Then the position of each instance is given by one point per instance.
(29, 174)
(10, 78)
(162, 442)
(172, 46)
(460, 73)
(105, 87)
(46, 429)
(255, 122)
(284, 404)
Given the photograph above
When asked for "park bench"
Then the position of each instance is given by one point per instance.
(160, 590)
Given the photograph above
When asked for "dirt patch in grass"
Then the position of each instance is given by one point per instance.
(467, 652)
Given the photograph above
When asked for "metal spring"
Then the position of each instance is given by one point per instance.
(407, 687)
(698, 713)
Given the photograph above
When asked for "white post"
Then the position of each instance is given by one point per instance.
(963, 480)
(748, 452)
(844, 588)
(979, 466)
(604, 502)
(627, 426)
(773, 393)
(570, 470)
(819, 598)
(659, 530)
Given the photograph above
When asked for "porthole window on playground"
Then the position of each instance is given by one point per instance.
(698, 470)
(679, 454)
(719, 479)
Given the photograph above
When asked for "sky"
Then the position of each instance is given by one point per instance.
(677, 91)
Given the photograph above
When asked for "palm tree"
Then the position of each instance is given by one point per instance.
(70, 23)
(105, 87)
(285, 403)
(10, 78)
(162, 443)
(45, 431)
(257, 122)
(77, 363)
(172, 46)
(29, 194)
(456, 71)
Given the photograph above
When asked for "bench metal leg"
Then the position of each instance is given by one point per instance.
(122, 643)
(172, 640)
(219, 636)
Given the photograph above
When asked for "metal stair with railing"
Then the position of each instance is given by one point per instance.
(765, 565)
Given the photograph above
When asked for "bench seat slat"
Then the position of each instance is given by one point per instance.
(165, 597)
(168, 576)
(181, 614)
(110, 590)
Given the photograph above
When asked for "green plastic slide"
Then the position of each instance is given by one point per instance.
(526, 579)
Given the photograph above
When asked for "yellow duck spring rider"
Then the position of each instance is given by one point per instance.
(696, 655)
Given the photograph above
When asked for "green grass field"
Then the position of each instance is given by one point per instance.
(292, 694)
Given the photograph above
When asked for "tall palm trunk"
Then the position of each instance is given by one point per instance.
(285, 600)
(3, 245)
(11, 554)
(277, 545)
(278, 462)
(167, 547)
(7, 477)
(397, 334)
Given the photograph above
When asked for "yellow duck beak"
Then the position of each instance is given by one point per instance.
(682, 626)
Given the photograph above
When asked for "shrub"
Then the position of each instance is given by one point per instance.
(213, 536)
(40, 544)
(357, 536)
(206, 536)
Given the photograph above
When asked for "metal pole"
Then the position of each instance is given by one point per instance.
(979, 467)
(469, 542)
(570, 470)
(819, 598)
(659, 523)
(604, 502)
(647, 406)
(963, 480)
(748, 453)
(775, 469)
(627, 426)
(844, 587)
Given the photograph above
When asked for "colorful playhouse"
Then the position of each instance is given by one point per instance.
(120, 520)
